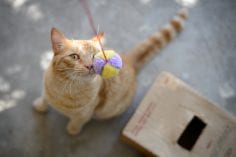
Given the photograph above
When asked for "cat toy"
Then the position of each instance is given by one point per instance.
(107, 63)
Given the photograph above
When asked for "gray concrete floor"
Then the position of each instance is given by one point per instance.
(203, 55)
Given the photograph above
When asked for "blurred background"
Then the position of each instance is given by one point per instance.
(203, 55)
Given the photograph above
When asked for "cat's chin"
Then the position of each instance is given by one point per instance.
(83, 77)
(89, 76)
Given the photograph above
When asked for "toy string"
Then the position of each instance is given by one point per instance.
(90, 18)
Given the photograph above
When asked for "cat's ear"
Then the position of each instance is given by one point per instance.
(58, 40)
(101, 36)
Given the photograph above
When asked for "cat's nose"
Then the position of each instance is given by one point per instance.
(89, 67)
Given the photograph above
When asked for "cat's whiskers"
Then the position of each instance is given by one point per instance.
(68, 70)
(74, 79)
(64, 69)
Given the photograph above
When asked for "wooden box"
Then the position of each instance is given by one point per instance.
(175, 121)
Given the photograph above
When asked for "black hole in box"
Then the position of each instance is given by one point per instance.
(191, 133)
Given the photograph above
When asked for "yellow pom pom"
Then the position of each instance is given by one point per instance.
(107, 68)
(109, 71)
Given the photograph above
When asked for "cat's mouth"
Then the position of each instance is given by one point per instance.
(89, 72)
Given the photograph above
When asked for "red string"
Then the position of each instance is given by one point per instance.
(90, 18)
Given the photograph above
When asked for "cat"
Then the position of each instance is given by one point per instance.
(71, 86)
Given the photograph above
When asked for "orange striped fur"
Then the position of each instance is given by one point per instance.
(72, 87)
(152, 45)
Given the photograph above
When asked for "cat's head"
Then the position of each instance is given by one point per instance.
(74, 58)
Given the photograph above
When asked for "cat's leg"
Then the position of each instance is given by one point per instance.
(40, 104)
(77, 121)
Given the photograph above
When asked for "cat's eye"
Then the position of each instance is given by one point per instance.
(75, 56)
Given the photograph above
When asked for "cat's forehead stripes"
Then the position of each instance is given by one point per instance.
(76, 46)
(83, 46)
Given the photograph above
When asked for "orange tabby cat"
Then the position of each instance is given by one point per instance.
(72, 87)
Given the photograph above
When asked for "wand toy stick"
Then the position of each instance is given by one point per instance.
(91, 22)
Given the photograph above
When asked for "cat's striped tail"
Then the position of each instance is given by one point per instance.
(152, 45)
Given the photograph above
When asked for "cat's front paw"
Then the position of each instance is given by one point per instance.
(73, 129)
(40, 105)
